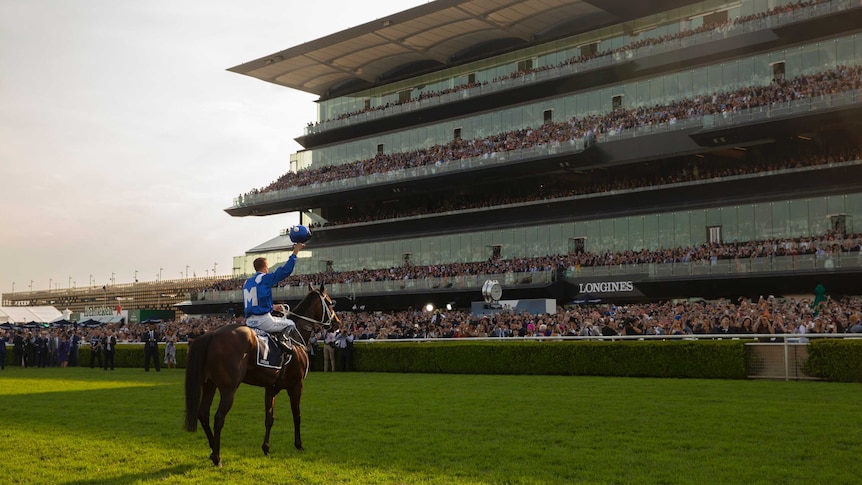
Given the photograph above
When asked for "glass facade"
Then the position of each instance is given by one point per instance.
(791, 218)
(721, 77)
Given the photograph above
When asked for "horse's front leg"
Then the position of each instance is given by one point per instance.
(269, 406)
(295, 395)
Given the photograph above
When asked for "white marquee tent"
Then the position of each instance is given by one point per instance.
(24, 314)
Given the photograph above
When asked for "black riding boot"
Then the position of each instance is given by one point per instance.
(283, 341)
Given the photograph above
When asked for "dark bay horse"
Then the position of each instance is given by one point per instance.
(224, 358)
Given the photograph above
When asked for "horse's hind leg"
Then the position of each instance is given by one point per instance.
(269, 405)
(207, 396)
(224, 405)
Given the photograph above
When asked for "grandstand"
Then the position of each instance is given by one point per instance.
(110, 302)
(569, 135)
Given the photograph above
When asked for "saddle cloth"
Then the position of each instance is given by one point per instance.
(269, 354)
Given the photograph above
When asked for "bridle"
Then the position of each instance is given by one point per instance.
(329, 317)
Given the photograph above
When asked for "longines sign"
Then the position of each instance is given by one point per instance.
(606, 287)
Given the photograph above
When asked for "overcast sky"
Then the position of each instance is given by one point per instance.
(123, 138)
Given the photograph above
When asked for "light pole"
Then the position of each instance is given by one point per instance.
(215, 265)
(113, 279)
(31, 285)
(91, 281)
(136, 276)
(50, 283)
(160, 274)
(70, 282)
(13, 287)
(187, 271)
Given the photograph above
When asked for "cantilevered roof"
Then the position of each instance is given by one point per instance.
(434, 36)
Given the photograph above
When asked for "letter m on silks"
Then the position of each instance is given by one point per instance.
(250, 296)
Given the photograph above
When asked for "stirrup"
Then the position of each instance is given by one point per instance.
(283, 341)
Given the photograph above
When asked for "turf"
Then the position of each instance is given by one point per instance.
(78, 425)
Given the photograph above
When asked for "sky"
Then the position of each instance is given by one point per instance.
(123, 137)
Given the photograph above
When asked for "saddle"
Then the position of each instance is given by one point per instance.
(269, 353)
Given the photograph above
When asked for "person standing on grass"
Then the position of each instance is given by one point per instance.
(344, 343)
(170, 349)
(329, 350)
(18, 349)
(95, 349)
(151, 347)
(74, 344)
(109, 343)
(63, 351)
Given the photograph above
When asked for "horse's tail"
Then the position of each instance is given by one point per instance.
(194, 378)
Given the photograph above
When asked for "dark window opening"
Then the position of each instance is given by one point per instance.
(839, 223)
(715, 18)
(577, 245)
(778, 71)
(590, 49)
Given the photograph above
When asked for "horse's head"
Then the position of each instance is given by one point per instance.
(316, 308)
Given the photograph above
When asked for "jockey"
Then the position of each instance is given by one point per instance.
(257, 297)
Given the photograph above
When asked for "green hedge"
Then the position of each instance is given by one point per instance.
(703, 359)
(835, 360)
(127, 355)
(132, 355)
(830, 359)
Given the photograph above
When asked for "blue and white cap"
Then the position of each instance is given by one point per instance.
(299, 234)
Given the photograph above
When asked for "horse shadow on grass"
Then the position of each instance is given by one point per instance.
(151, 475)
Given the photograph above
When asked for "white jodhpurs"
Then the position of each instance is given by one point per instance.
(269, 323)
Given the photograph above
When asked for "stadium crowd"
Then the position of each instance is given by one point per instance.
(822, 246)
(766, 316)
(839, 79)
(626, 179)
(620, 53)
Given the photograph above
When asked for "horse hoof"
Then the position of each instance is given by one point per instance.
(299, 446)
(265, 449)
(216, 460)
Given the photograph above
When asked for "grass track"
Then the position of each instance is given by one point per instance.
(79, 426)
